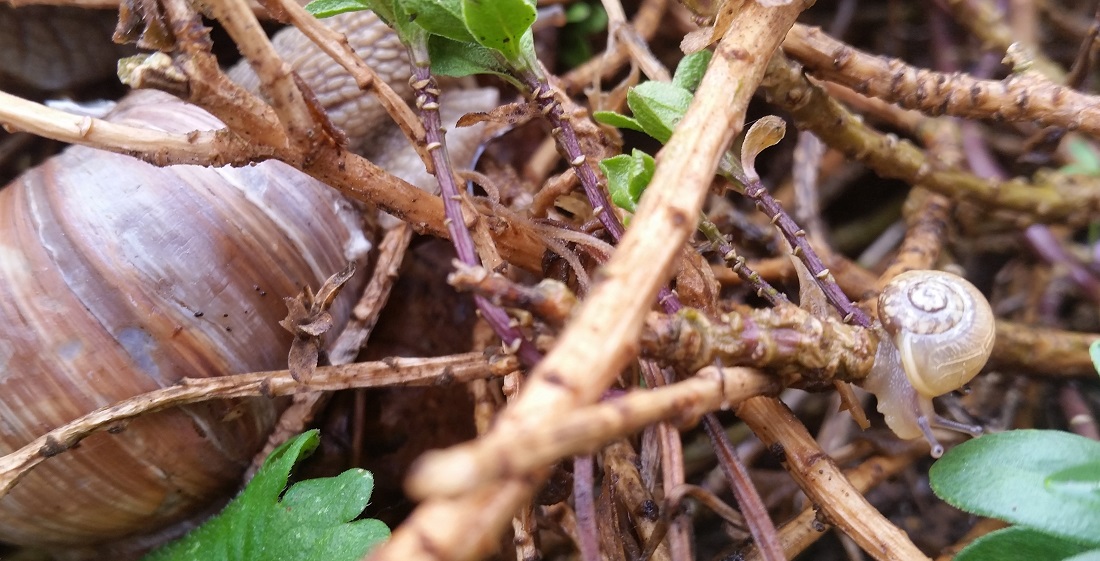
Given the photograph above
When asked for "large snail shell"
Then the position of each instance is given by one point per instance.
(942, 326)
(119, 278)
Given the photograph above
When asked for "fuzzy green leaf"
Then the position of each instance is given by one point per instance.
(658, 107)
(691, 69)
(627, 177)
(1080, 478)
(500, 24)
(617, 120)
(1008, 476)
(1020, 544)
(310, 522)
(439, 17)
(452, 58)
(1091, 555)
(329, 8)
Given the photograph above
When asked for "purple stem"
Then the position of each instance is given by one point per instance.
(427, 101)
(566, 136)
(584, 502)
(796, 236)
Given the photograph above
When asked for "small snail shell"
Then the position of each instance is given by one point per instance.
(937, 333)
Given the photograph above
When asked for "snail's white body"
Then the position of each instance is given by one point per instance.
(937, 333)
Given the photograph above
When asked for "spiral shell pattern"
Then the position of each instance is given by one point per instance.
(943, 328)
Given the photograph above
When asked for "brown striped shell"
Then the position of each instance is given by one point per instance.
(117, 283)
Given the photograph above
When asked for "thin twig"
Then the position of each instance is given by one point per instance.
(390, 372)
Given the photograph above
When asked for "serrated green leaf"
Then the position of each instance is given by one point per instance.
(617, 120)
(439, 17)
(452, 58)
(1020, 544)
(499, 24)
(310, 521)
(329, 8)
(658, 107)
(627, 177)
(1005, 476)
(690, 70)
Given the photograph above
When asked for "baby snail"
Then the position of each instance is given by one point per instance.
(937, 333)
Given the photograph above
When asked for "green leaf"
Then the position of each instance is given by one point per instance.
(691, 69)
(1020, 544)
(1006, 476)
(310, 522)
(452, 58)
(499, 24)
(329, 8)
(1084, 159)
(439, 17)
(1081, 478)
(627, 177)
(1094, 353)
(658, 107)
(617, 120)
(1091, 555)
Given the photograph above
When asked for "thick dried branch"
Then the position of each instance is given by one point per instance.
(1022, 96)
(586, 429)
(1061, 198)
(787, 339)
(824, 483)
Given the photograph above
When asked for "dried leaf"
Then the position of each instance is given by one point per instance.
(763, 134)
(702, 38)
(308, 319)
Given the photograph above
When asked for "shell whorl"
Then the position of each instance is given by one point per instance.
(942, 327)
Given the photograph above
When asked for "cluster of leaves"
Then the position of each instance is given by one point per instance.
(311, 520)
(1046, 482)
(656, 107)
(459, 37)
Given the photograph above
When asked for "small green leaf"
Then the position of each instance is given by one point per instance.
(1094, 353)
(627, 177)
(311, 520)
(499, 24)
(1083, 157)
(1020, 544)
(691, 69)
(617, 120)
(584, 20)
(658, 107)
(1005, 476)
(1081, 478)
(439, 17)
(329, 8)
(452, 58)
